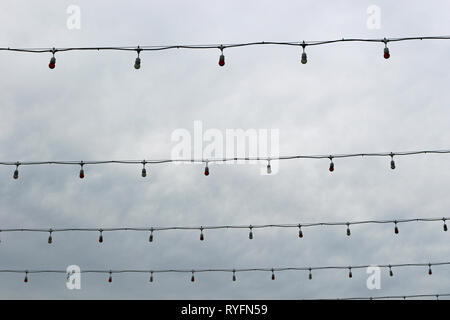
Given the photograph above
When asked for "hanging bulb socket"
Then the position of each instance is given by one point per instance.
(144, 171)
(310, 274)
(26, 277)
(151, 276)
(304, 59)
(392, 161)
(445, 225)
(273, 275)
(429, 269)
(350, 274)
(137, 62)
(391, 273)
(300, 232)
(100, 238)
(348, 229)
(396, 228)
(81, 170)
(110, 277)
(234, 275)
(222, 57)
(206, 169)
(50, 239)
(201, 234)
(52, 63)
(250, 234)
(16, 172)
(150, 238)
(331, 164)
(192, 277)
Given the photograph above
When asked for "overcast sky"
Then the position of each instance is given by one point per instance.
(347, 98)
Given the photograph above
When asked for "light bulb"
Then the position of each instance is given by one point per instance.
(81, 170)
(250, 234)
(234, 275)
(445, 225)
(137, 63)
(429, 270)
(392, 164)
(144, 173)
(16, 172)
(350, 275)
(273, 275)
(300, 232)
(26, 277)
(348, 229)
(310, 275)
(52, 63)
(386, 55)
(110, 277)
(331, 165)
(50, 239)
(100, 238)
(192, 278)
(222, 60)
(390, 272)
(151, 277)
(201, 235)
(269, 168)
(150, 238)
(396, 228)
(206, 169)
(304, 58)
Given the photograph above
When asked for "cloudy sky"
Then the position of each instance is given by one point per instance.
(96, 106)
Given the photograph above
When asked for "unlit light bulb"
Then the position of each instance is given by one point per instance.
(52, 63)
(137, 63)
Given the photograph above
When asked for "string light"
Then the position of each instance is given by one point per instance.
(222, 57)
(234, 270)
(396, 228)
(429, 269)
(392, 162)
(206, 169)
(81, 170)
(269, 168)
(201, 234)
(331, 164)
(299, 226)
(144, 171)
(386, 53)
(52, 63)
(151, 276)
(304, 56)
(391, 274)
(16, 172)
(150, 238)
(404, 297)
(137, 63)
(233, 159)
(50, 239)
(221, 47)
(234, 275)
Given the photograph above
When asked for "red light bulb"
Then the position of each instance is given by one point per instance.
(273, 275)
(331, 166)
(222, 60)
(429, 270)
(206, 170)
(110, 278)
(26, 277)
(386, 54)
(348, 229)
(151, 277)
(100, 238)
(201, 235)
(350, 275)
(396, 228)
(234, 275)
(192, 278)
(300, 232)
(52, 63)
